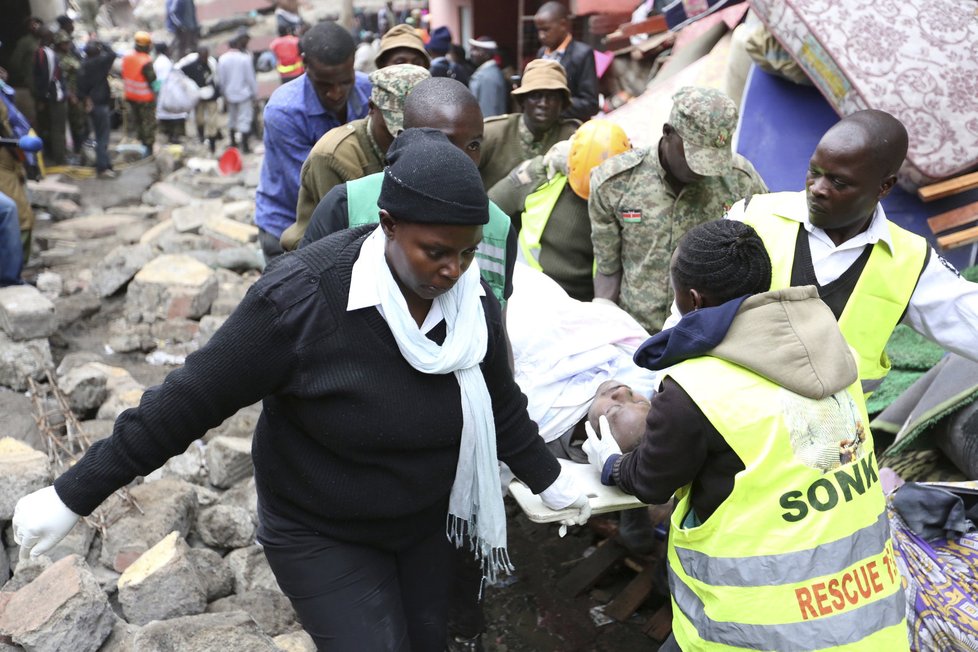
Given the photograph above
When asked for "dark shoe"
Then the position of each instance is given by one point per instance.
(245, 146)
(212, 145)
(231, 138)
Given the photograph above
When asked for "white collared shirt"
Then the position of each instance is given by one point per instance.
(363, 282)
(943, 307)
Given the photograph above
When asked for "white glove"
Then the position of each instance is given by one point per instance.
(41, 520)
(564, 495)
(555, 159)
(599, 448)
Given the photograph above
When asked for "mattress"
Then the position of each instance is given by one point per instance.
(915, 59)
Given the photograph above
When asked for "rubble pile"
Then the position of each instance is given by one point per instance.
(124, 292)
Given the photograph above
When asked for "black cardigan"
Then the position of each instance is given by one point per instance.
(582, 79)
(352, 441)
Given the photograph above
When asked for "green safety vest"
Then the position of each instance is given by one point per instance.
(799, 556)
(361, 202)
(882, 293)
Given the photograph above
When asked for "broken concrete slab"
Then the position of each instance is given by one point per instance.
(85, 387)
(229, 460)
(121, 638)
(295, 642)
(117, 268)
(190, 218)
(270, 609)
(126, 338)
(71, 308)
(18, 418)
(63, 609)
(251, 570)
(23, 470)
(154, 232)
(214, 573)
(22, 360)
(208, 326)
(167, 195)
(240, 211)
(167, 505)
(226, 527)
(171, 286)
(176, 330)
(50, 284)
(25, 313)
(64, 209)
(90, 227)
(233, 630)
(161, 584)
(45, 192)
(224, 232)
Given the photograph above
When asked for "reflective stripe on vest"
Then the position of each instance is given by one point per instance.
(361, 203)
(295, 68)
(536, 212)
(134, 82)
(881, 295)
(800, 551)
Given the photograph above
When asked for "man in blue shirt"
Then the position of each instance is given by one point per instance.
(329, 94)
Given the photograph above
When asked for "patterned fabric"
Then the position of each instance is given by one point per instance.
(637, 219)
(390, 86)
(916, 59)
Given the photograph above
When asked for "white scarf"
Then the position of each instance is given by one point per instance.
(475, 509)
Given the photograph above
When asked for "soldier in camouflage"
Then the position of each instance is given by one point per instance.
(70, 65)
(644, 200)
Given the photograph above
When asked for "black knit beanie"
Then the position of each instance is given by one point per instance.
(429, 180)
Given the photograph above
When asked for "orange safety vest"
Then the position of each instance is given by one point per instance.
(137, 88)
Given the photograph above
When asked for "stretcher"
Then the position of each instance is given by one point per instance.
(603, 498)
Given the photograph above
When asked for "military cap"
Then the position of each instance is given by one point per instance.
(400, 36)
(705, 119)
(390, 86)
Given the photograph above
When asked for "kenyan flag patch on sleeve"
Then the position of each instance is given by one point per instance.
(631, 216)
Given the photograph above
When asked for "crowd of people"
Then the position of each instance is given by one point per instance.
(719, 341)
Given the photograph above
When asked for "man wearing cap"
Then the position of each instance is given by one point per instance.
(70, 63)
(487, 82)
(357, 148)
(137, 78)
(401, 44)
(49, 92)
(644, 200)
(441, 66)
(549, 210)
(553, 25)
(516, 137)
(239, 85)
(329, 94)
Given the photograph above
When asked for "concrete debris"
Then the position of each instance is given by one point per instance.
(25, 313)
(121, 638)
(251, 570)
(170, 286)
(161, 584)
(18, 418)
(270, 609)
(229, 460)
(63, 609)
(295, 642)
(86, 388)
(74, 307)
(50, 285)
(210, 323)
(22, 470)
(92, 227)
(167, 505)
(77, 542)
(167, 194)
(64, 209)
(233, 630)
(126, 338)
(226, 527)
(190, 218)
(224, 232)
(214, 573)
(22, 360)
(50, 189)
(117, 269)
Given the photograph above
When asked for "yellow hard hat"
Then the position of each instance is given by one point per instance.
(594, 142)
(142, 38)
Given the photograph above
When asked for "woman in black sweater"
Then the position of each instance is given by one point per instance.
(387, 397)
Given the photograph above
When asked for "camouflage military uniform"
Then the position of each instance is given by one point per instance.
(77, 118)
(636, 221)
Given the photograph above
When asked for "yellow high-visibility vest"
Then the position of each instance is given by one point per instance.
(882, 293)
(799, 556)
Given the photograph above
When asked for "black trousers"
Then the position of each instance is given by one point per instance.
(353, 597)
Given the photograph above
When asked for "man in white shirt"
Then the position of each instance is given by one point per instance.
(239, 85)
(871, 273)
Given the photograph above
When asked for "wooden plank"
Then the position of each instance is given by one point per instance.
(632, 596)
(586, 574)
(948, 187)
(958, 238)
(651, 25)
(660, 624)
(953, 219)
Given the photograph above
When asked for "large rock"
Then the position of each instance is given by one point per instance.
(77, 542)
(125, 337)
(190, 219)
(229, 460)
(22, 471)
(251, 570)
(122, 637)
(226, 526)
(25, 313)
(167, 505)
(115, 270)
(240, 211)
(223, 632)
(50, 284)
(22, 360)
(124, 391)
(63, 609)
(86, 388)
(270, 609)
(214, 573)
(162, 584)
(18, 418)
(171, 286)
(295, 642)
(167, 195)
(225, 232)
(189, 466)
(45, 192)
